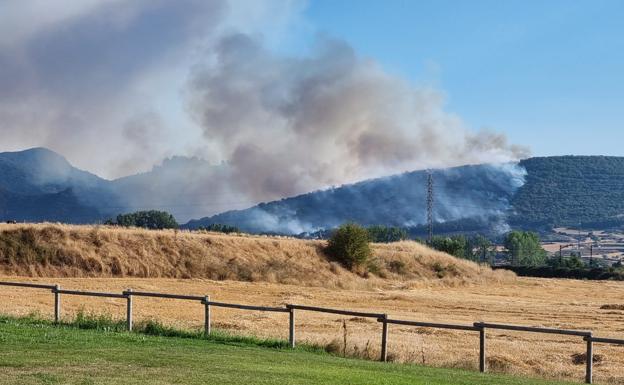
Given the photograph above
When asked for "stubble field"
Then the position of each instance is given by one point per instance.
(536, 302)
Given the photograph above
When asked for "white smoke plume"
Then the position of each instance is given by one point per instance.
(289, 124)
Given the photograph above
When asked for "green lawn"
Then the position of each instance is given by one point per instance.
(37, 352)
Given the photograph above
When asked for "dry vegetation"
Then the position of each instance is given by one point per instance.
(412, 290)
(525, 301)
(51, 250)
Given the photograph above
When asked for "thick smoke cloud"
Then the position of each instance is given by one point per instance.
(76, 74)
(290, 124)
(118, 86)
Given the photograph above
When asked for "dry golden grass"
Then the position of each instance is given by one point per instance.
(281, 271)
(524, 301)
(54, 250)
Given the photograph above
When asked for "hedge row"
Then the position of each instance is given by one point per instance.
(564, 272)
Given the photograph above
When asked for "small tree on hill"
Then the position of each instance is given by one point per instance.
(349, 244)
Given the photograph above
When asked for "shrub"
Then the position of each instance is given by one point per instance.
(397, 267)
(349, 245)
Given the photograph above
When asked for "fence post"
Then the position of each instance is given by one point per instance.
(129, 310)
(590, 360)
(57, 303)
(207, 316)
(384, 338)
(291, 329)
(482, 363)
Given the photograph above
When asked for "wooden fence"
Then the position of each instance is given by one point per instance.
(382, 318)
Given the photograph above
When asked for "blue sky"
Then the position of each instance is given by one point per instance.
(549, 74)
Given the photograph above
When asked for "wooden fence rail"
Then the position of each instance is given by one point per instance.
(607, 340)
(90, 293)
(162, 295)
(382, 318)
(30, 285)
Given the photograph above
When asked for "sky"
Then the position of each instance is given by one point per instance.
(294, 95)
(549, 74)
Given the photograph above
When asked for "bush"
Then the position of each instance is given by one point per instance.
(349, 245)
(397, 267)
(573, 262)
(565, 272)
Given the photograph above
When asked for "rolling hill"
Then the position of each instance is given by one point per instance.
(47, 250)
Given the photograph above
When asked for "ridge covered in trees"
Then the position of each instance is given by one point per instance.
(571, 190)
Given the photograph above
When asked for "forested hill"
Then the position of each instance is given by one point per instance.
(568, 190)
(479, 191)
(557, 191)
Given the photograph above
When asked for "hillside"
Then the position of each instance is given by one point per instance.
(40, 185)
(82, 251)
(568, 190)
(538, 193)
(481, 191)
(63, 206)
(40, 171)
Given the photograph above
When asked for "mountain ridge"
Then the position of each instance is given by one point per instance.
(40, 185)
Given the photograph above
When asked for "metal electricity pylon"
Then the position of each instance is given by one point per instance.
(430, 205)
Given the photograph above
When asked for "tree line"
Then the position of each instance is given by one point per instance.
(159, 220)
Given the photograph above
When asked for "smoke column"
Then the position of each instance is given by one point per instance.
(287, 125)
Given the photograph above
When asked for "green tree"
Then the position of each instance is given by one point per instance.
(349, 244)
(385, 234)
(151, 219)
(482, 249)
(524, 248)
(456, 245)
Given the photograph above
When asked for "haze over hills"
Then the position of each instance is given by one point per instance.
(481, 191)
(536, 193)
(39, 185)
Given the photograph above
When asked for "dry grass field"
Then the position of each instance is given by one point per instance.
(544, 302)
(430, 287)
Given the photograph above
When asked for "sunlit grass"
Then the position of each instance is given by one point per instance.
(96, 350)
